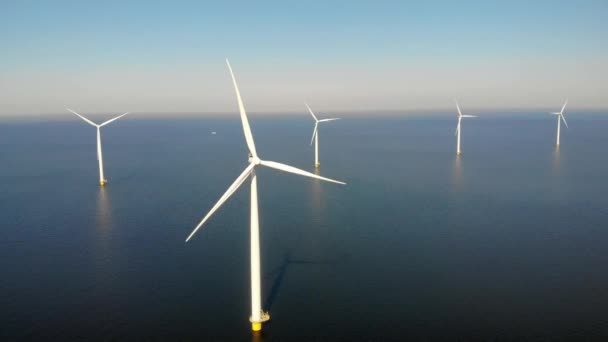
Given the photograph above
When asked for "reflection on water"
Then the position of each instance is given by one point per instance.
(257, 336)
(556, 158)
(311, 241)
(103, 233)
(557, 188)
(457, 181)
(317, 189)
(104, 214)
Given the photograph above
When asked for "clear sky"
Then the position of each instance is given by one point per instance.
(105, 56)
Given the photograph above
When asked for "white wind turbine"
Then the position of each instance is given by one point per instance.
(460, 116)
(560, 115)
(102, 180)
(315, 134)
(258, 316)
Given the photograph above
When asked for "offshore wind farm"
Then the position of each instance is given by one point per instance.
(388, 234)
(418, 238)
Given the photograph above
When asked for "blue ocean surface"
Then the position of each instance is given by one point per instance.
(507, 242)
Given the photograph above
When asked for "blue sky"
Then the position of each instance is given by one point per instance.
(394, 55)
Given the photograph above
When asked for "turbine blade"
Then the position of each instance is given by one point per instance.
(332, 119)
(116, 118)
(554, 113)
(314, 133)
(311, 113)
(458, 107)
(246, 128)
(468, 116)
(564, 119)
(98, 144)
(564, 107)
(291, 169)
(83, 118)
(231, 190)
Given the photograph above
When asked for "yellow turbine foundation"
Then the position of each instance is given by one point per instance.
(257, 326)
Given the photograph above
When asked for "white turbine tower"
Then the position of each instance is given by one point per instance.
(560, 116)
(315, 134)
(460, 116)
(258, 316)
(102, 180)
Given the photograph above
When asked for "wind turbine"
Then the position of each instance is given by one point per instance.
(560, 115)
(258, 316)
(460, 116)
(315, 134)
(102, 180)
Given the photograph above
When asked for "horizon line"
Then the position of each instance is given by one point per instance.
(50, 116)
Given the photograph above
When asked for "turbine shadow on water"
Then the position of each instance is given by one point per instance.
(280, 275)
(127, 176)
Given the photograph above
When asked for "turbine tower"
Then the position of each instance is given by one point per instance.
(460, 116)
(258, 316)
(560, 116)
(315, 133)
(102, 180)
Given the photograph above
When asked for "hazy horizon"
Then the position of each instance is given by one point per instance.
(447, 113)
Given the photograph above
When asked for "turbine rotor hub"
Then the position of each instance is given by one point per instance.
(255, 160)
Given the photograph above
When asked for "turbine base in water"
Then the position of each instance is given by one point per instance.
(257, 326)
(317, 165)
(103, 182)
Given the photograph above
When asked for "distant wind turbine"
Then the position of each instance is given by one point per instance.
(315, 134)
(460, 116)
(258, 316)
(560, 116)
(102, 180)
